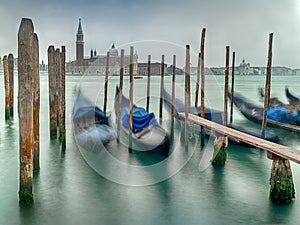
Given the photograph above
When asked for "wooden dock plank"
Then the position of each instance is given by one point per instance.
(280, 150)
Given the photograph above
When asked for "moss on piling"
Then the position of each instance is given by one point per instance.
(281, 182)
(53, 129)
(62, 138)
(7, 114)
(220, 155)
(25, 198)
(282, 192)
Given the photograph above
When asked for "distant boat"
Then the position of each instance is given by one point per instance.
(277, 116)
(90, 124)
(137, 77)
(291, 98)
(179, 106)
(147, 135)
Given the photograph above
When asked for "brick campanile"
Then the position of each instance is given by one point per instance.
(79, 45)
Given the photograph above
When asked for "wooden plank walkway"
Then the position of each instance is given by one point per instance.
(277, 149)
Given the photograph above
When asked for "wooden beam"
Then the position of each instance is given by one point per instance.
(280, 150)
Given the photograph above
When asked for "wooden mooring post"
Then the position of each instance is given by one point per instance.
(173, 97)
(282, 187)
(57, 88)
(36, 104)
(106, 81)
(52, 92)
(232, 88)
(148, 83)
(25, 108)
(130, 98)
(226, 72)
(221, 142)
(162, 70)
(187, 96)
(62, 102)
(6, 87)
(120, 92)
(11, 82)
(202, 82)
(267, 87)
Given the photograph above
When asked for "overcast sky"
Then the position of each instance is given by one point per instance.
(161, 27)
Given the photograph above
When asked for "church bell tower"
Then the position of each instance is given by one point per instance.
(79, 45)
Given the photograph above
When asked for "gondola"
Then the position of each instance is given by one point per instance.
(213, 115)
(277, 116)
(291, 98)
(147, 135)
(91, 126)
(179, 106)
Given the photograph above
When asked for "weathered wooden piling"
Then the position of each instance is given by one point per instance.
(130, 98)
(106, 81)
(6, 87)
(25, 108)
(187, 95)
(282, 188)
(57, 87)
(148, 83)
(226, 71)
(267, 87)
(11, 82)
(52, 92)
(161, 88)
(36, 104)
(221, 142)
(202, 82)
(198, 80)
(173, 96)
(62, 103)
(120, 91)
(220, 154)
(232, 87)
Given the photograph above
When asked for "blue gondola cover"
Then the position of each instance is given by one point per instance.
(278, 114)
(140, 118)
(283, 115)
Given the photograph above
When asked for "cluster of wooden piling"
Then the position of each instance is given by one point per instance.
(28, 107)
(57, 100)
(29, 102)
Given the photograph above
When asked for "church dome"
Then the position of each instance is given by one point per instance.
(113, 51)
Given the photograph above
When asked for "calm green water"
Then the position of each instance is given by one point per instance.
(69, 189)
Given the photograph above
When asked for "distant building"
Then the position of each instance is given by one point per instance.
(244, 68)
(178, 71)
(193, 70)
(96, 64)
(155, 69)
(297, 71)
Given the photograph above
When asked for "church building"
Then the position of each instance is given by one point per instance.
(96, 64)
